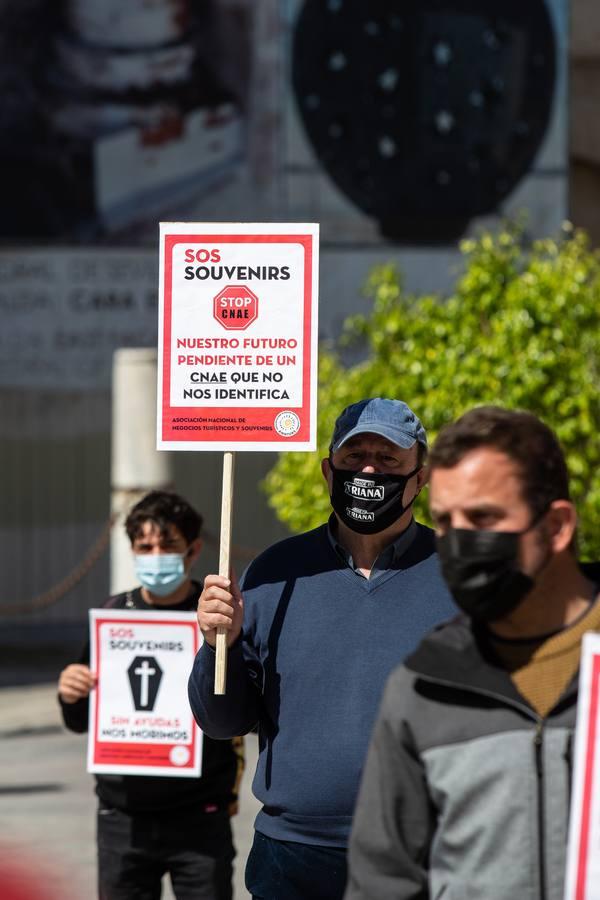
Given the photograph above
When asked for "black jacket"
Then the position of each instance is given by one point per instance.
(134, 793)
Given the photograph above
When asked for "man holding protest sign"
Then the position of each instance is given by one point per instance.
(467, 783)
(150, 825)
(324, 618)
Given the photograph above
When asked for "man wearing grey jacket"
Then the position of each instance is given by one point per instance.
(465, 793)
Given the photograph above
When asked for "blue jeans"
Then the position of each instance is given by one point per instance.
(286, 870)
(135, 851)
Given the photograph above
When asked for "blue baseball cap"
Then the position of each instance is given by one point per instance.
(392, 419)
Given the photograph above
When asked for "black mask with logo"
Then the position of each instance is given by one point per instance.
(481, 569)
(369, 502)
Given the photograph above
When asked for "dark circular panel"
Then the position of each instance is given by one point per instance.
(425, 113)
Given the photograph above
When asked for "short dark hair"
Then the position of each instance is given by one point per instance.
(164, 508)
(521, 436)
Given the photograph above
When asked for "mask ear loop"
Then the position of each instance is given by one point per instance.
(188, 553)
(536, 520)
(533, 524)
(408, 477)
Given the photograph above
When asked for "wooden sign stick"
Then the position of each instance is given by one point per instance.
(224, 565)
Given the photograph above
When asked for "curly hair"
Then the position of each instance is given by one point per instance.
(164, 508)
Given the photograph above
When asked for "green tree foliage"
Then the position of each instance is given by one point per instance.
(521, 329)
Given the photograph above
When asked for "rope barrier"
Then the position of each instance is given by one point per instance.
(51, 596)
(96, 551)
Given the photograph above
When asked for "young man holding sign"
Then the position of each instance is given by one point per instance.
(150, 825)
(467, 782)
(324, 618)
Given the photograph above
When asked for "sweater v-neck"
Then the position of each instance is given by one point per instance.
(368, 585)
(394, 552)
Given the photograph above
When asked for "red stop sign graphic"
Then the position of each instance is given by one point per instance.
(235, 307)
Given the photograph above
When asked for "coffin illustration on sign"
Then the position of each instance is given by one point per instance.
(425, 113)
(145, 676)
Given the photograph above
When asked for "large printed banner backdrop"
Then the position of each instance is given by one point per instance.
(398, 125)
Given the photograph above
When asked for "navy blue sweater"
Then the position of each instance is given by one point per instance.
(318, 644)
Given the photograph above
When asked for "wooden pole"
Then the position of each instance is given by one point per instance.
(224, 564)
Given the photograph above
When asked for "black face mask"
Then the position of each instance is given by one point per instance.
(481, 569)
(369, 502)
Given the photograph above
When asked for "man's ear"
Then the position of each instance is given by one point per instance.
(562, 524)
(422, 477)
(326, 472)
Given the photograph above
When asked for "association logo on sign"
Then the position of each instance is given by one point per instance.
(235, 307)
(145, 676)
(286, 423)
(179, 755)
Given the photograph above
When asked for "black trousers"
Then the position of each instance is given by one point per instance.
(285, 870)
(135, 851)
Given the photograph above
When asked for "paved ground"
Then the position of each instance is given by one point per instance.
(47, 804)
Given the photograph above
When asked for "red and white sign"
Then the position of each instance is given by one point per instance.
(236, 307)
(237, 336)
(583, 857)
(140, 718)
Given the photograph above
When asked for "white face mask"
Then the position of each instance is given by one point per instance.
(160, 573)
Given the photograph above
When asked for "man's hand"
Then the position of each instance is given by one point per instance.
(220, 606)
(75, 683)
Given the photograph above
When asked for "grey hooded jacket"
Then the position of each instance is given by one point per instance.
(466, 790)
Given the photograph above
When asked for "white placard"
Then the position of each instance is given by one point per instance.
(583, 855)
(237, 336)
(140, 718)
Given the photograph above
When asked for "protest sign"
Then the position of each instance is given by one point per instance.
(140, 719)
(237, 336)
(583, 856)
(237, 348)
